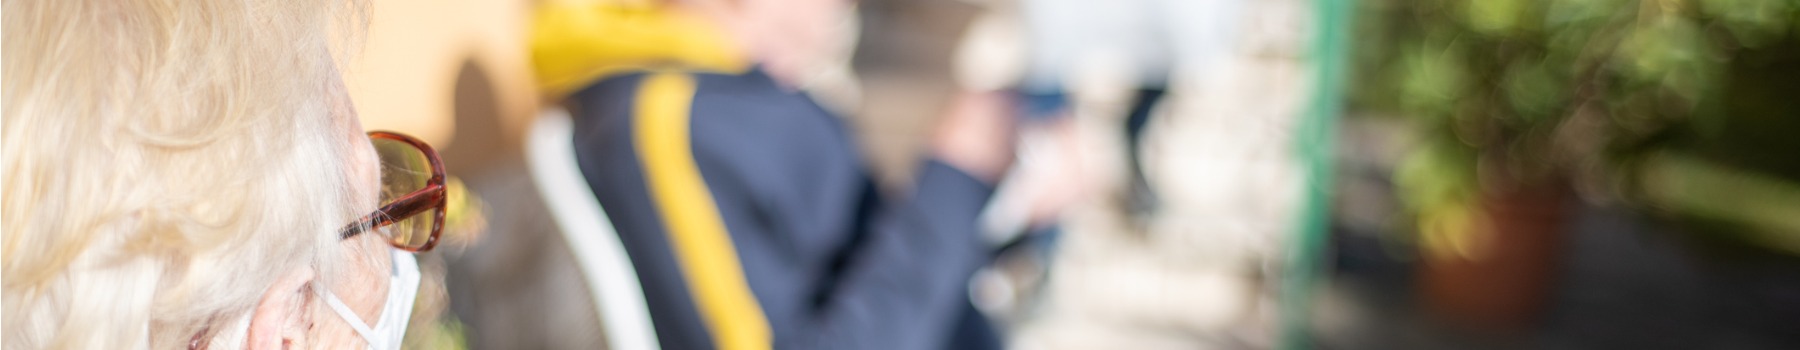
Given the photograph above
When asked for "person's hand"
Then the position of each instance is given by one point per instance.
(976, 135)
(1049, 168)
(1046, 179)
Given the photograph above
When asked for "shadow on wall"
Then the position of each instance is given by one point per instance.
(478, 140)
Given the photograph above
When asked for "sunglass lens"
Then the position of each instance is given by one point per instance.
(404, 170)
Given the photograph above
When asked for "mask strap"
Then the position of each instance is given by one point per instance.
(403, 282)
(350, 317)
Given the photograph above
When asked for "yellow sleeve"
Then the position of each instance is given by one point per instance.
(574, 43)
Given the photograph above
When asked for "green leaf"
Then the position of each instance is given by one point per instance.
(1754, 23)
(1499, 18)
(1433, 78)
(1435, 175)
(1535, 91)
(1668, 45)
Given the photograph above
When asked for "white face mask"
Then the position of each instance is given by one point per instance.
(396, 312)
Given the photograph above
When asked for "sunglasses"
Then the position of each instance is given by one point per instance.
(413, 196)
(412, 183)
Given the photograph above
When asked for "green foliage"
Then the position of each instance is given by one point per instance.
(1535, 85)
(1432, 79)
(1436, 175)
(1753, 23)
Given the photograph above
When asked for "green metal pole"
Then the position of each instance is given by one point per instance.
(1316, 138)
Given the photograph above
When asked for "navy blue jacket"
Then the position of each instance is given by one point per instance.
(830, 263)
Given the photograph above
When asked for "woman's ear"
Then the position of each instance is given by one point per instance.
(283, 317)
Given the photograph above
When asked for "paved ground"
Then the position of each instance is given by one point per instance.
(1628, 281)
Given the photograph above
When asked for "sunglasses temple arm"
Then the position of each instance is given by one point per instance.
(364, 224)
(412, 204)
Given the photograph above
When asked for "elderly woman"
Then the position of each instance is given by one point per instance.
(190, 174)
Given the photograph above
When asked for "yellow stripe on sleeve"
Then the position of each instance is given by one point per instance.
(709, 261)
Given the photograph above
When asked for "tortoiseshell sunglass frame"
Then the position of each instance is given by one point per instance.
(432, 198)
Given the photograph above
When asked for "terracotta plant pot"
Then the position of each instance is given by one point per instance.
(1502, 281)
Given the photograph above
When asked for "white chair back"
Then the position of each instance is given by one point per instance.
(617, 294)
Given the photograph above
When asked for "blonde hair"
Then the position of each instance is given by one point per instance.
(166, 161)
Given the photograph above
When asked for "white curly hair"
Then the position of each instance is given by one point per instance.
(165, 161)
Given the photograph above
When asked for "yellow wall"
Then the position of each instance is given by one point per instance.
(403, 79)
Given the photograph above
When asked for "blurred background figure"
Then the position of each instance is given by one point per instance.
(749, 217)
(1091, 73)
(1142, 46)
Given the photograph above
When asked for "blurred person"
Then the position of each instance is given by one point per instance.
(191, 174)
(1147, 39)
(748, 214)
